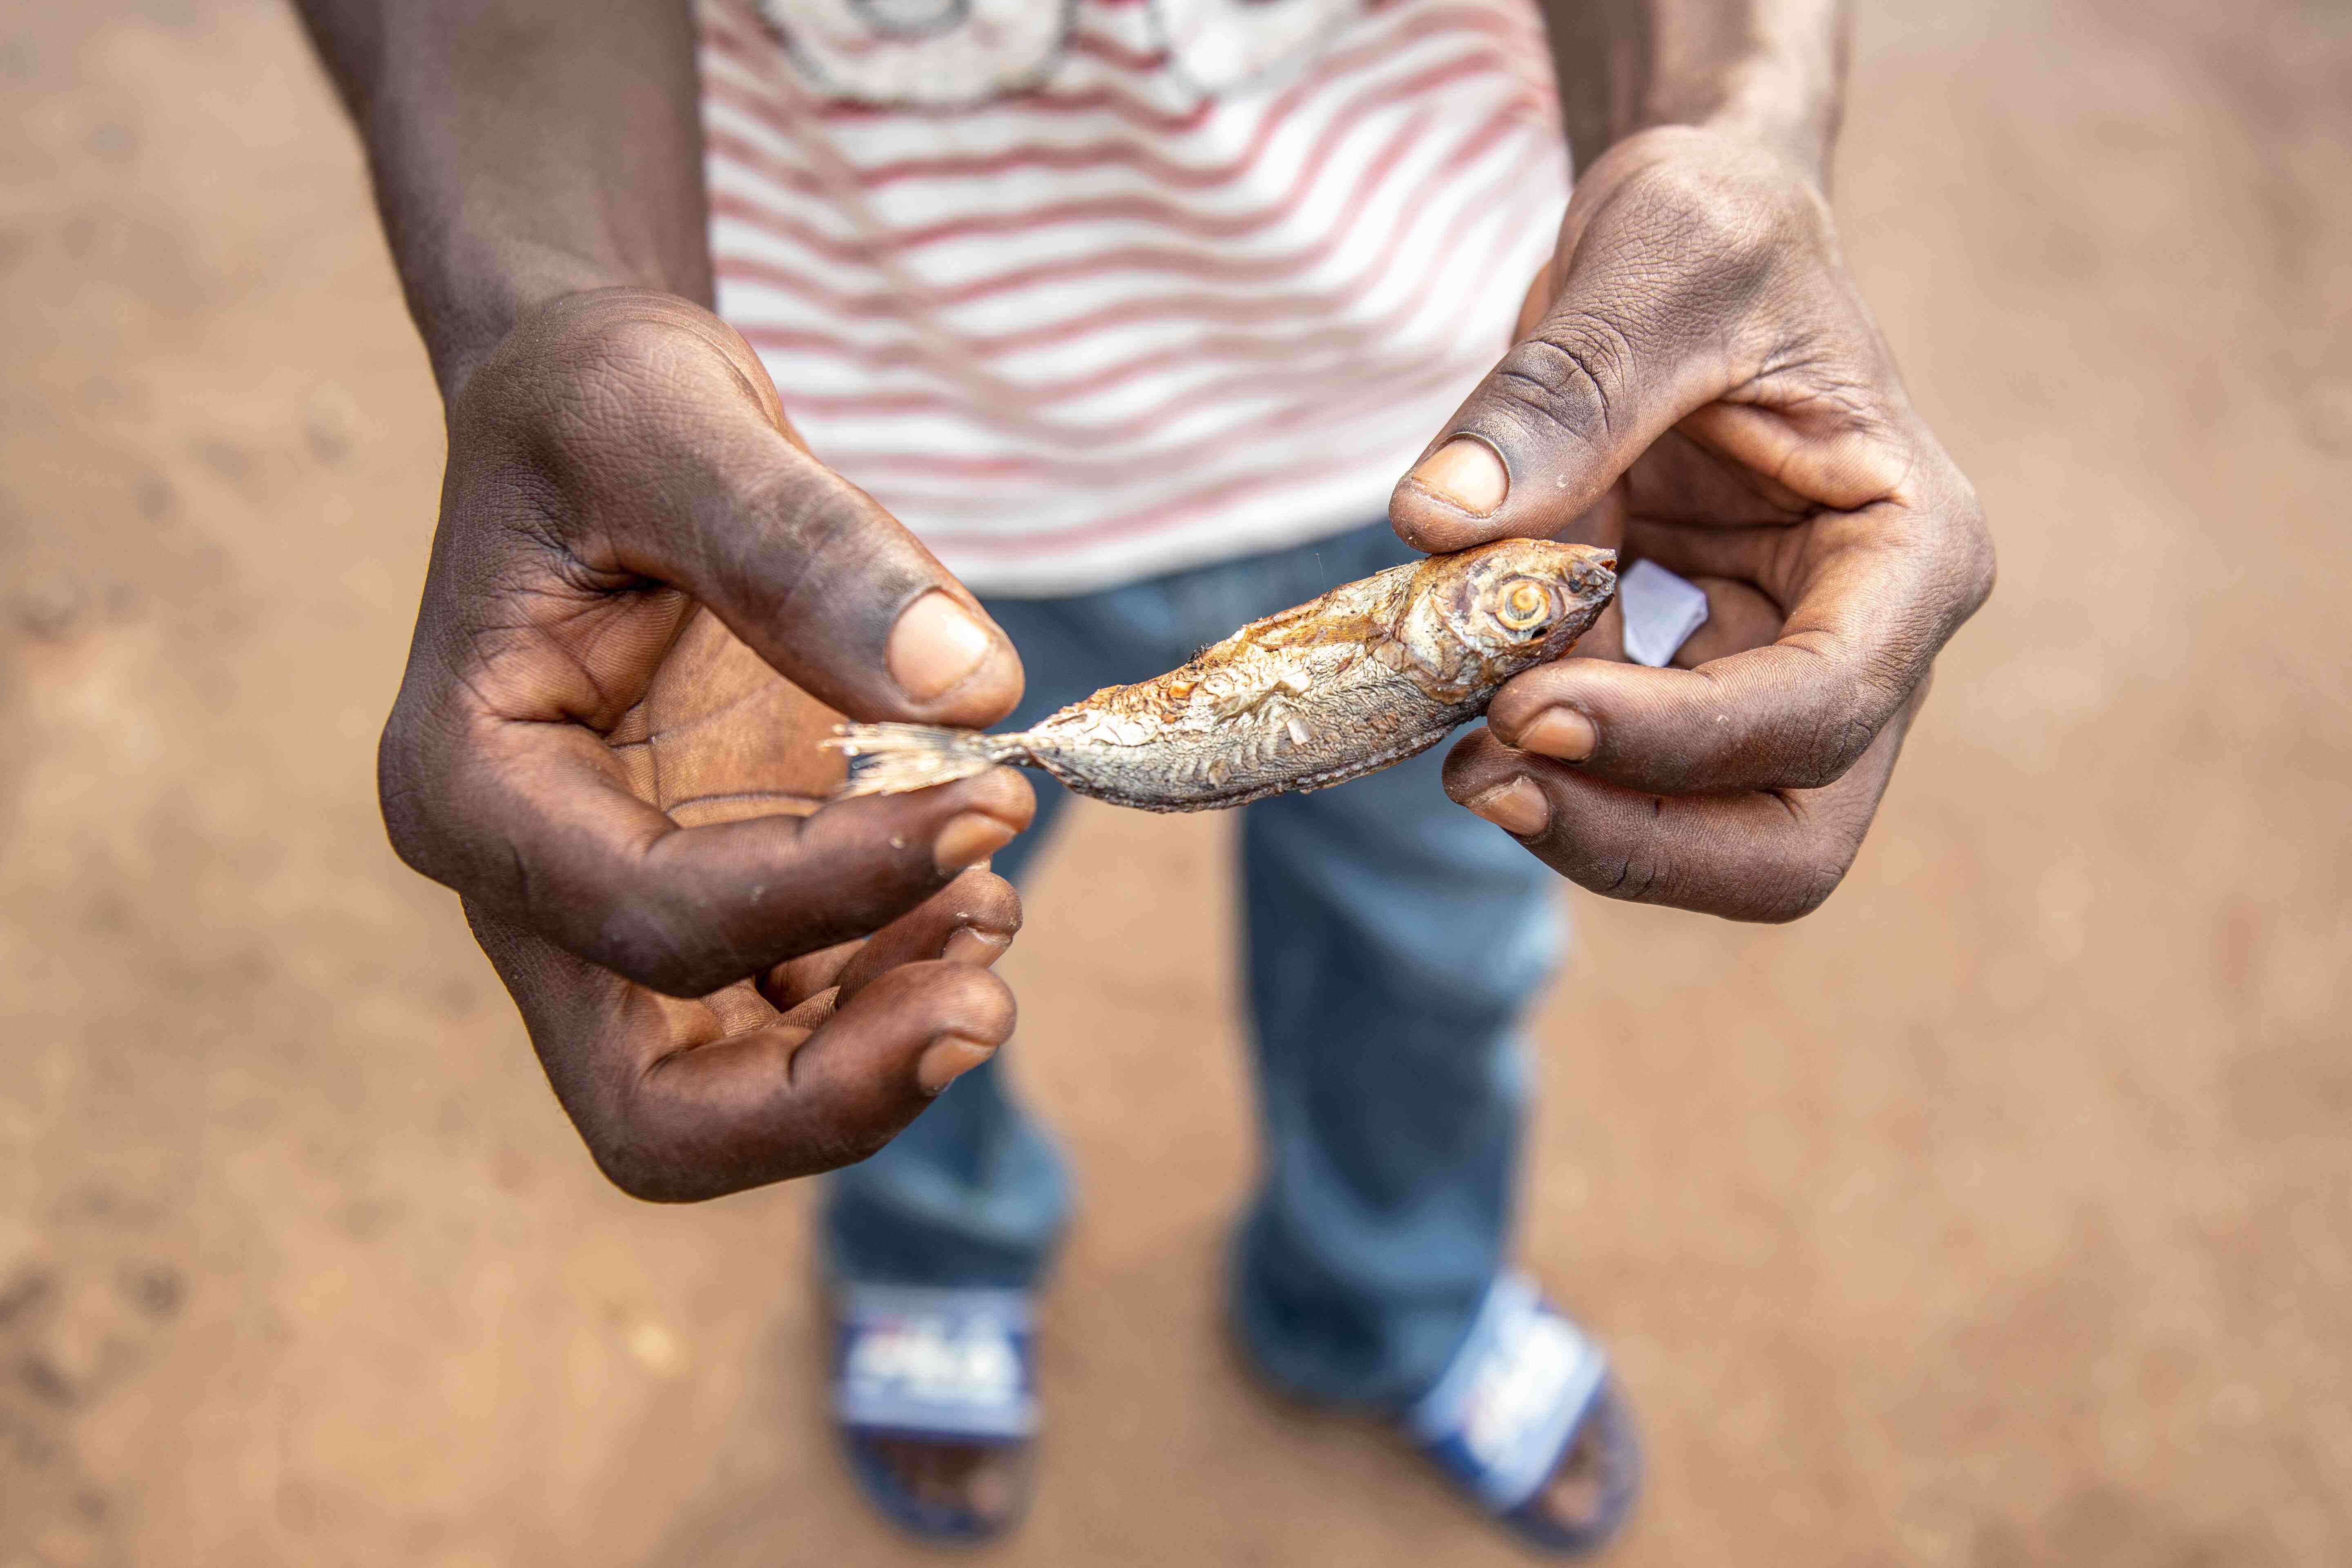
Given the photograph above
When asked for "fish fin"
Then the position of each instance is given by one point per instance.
(891, 759)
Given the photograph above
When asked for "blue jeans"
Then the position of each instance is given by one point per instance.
(1393, 943)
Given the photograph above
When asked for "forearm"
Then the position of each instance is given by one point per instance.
(522, 150)
(1770, 69)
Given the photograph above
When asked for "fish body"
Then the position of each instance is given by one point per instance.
(1366, 676)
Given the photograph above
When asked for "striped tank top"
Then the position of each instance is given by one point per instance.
(1083, 290)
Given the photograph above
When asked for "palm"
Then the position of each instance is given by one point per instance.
(719, 736)
(759, 1080)
(1705, 500)
(1707, 515)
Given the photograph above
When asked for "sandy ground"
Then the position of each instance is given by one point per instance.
(2001, 1213)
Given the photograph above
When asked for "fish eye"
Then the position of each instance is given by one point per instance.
(1522, 604)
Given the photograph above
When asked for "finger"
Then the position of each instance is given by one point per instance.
(644, 436)
(1682, 479)
(534, 823)
(972, 921)
(940, 1017)
(795, 980)
(1606, 638)
(780, 1102)
(1873, 596)
(1649, 324)
(1752, 856)
(673, 1109)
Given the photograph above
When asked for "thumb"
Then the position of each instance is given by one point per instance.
(662, 440)
(1639, 335)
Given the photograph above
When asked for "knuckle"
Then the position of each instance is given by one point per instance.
(842, 1143)
(1640, 879)
(652, 938)
(1628, 860)
(647, 948)
(986, 900)
(575, 379)
(656, 1147)
(674, 919)
(952, 997)
(684, 934)
(848, 561)
(614, 1126)
(1693, 196)
(1464, 771)
(1802, 891)
(636, 347)
(1967, 556)
(1980, 568)
(1815, 740)
(408, 825)
(646, 1181)
(1814, 864)
(408, 818)
(628, 366)
(1803, 887)
(628, 347)
(1707, 214)
(652, 1172)
(1841, 733)
(426, 828)
(983, 997)
(822, 513)
(1574, 375)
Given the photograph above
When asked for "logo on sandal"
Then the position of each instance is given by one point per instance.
(927, 1360)
(1518, 1386)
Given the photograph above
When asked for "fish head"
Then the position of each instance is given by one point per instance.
(1515, 603)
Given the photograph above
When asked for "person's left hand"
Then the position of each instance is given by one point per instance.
(1698, 382)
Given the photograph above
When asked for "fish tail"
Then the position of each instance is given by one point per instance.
(891, 759)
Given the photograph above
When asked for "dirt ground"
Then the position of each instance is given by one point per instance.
(2001, 1213)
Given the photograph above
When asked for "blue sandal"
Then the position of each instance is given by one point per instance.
(1523, 1388)
(930, 1365)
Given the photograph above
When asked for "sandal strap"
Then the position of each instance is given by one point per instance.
(1504, 1410)
(942, 1363)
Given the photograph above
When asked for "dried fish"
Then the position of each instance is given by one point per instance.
(1370, 674)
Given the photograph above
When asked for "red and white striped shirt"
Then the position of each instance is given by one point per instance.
(1088, 289)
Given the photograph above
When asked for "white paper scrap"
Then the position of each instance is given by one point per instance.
(1661, 612)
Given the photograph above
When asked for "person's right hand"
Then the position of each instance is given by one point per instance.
(602, 742)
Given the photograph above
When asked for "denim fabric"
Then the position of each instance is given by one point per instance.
(1394, 941)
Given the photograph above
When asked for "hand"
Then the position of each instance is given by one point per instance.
(642, 591)
(1699, 382)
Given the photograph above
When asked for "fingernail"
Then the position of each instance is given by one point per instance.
(974, 835)
(948, 1059)
(975, 947)
(1518, 808)
(935, 646)
(1466, 473)
(1561, 733)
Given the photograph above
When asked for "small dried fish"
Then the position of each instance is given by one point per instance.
(1370, 674)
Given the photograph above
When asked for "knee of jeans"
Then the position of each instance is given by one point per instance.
(1467, 935)
(1476, 960)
